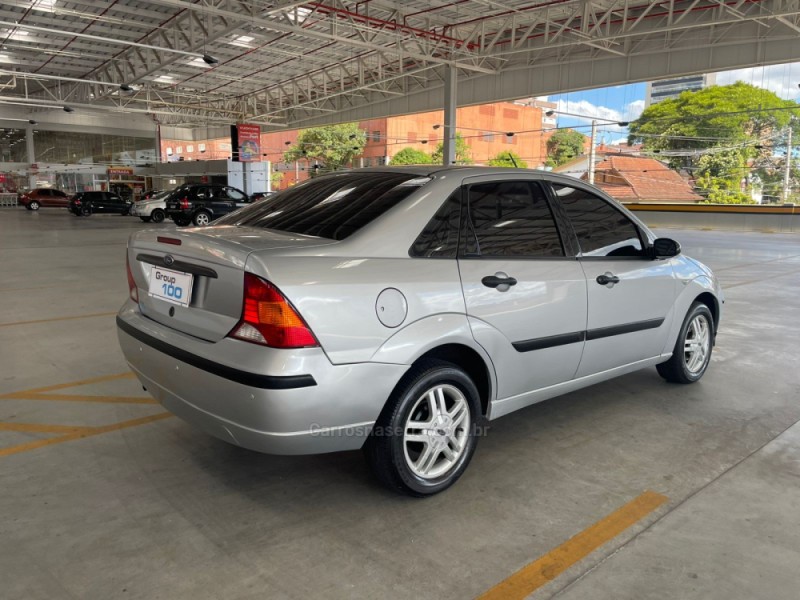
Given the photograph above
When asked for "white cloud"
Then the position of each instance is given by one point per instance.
(780, 79)
(584, 111)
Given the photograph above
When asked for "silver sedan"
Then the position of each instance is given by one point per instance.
(399, 309)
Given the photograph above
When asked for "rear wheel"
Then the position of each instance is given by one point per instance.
(86, 211)
(427, 432)
(201, 218)
(33, 205)
(157, 215)
(692, 351)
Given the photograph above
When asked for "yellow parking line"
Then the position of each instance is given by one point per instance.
(546, 568)
(39, 428)
(61, 386)
(80, 434)
(89, 316)
(80, 398)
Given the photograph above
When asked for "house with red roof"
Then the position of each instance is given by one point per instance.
(641, 179)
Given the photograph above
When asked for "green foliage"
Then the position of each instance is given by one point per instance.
(332, 146)
(275, 179)
(727, 197)
(716, 115)
(411, 156)
(463, 153)
(507, 158)
(563, 146)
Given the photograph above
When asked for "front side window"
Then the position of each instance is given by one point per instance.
(334, 206)
(601, 229)
(511, 218)
(235, 194)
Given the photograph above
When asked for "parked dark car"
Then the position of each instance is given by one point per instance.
(40, 197)
(88, 203)
(201, 203)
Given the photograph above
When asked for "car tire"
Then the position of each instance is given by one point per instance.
(86, 211)
(33, 205)
(146, 219)
(157, 215)
(419, 461)
(201, 218)
(692, 352)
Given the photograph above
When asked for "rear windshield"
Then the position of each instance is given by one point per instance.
(333, 206)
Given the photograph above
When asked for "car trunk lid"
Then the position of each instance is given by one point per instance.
(215, 258)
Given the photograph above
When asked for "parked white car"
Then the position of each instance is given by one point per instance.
(153, 209)
(396, 309)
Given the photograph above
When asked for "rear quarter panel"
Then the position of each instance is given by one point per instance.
(337, 296)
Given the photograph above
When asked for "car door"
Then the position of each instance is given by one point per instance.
(115, 203)
(525, 295)
(630, 295)
(60, 199)
(240, 199)
(46, 197)
(221, 202)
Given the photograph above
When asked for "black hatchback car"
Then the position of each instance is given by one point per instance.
(88, 203)
(201, 203)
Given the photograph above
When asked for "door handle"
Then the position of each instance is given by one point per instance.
(607, 279)
(499, 280)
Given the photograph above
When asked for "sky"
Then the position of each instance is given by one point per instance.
(626, 102)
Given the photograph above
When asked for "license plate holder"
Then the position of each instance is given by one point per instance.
(171, 286)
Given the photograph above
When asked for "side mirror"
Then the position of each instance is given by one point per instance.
(665, 248)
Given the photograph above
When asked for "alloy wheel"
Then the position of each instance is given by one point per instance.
(697, 344)
(436, 431)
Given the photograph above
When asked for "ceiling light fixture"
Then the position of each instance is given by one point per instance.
(68, 109)
(125, 87)
(210, 60)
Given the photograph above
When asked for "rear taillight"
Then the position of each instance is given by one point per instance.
(77, 202)
(268, 318)
(184, 202)
(132, 289)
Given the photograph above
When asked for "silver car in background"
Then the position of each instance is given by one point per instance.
(398, 309)
(153, 209)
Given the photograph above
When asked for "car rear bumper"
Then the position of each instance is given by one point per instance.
(272, 401)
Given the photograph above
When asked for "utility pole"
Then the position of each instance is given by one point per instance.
(788, 164)
(591, 151)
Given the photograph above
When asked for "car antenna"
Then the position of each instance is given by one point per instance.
(514, 162)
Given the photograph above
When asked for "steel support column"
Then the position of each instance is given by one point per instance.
(450, 81)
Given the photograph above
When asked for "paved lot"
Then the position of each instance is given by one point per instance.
(104, 496)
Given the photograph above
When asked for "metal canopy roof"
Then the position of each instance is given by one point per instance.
(289, 63)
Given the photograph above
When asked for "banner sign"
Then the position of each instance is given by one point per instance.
(246, 142)
(120, 171)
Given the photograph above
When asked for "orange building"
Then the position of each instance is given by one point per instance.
(484, 129)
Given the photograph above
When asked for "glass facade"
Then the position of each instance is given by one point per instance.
(12, 146)
(92, 148)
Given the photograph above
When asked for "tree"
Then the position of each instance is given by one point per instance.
(275, 179)
(411, 156)
(563, 146)
(332, 146)
(720, 113)
(463, 153)
(507, 158)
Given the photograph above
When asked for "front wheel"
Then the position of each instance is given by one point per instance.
(33, 205)
(427, 432)
(692, 351)
(157, 215)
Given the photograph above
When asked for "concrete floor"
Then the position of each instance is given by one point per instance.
(146, 508)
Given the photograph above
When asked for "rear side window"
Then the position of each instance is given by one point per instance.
(334, 206)
(601, 229)
(511, 218)
(439, 239)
